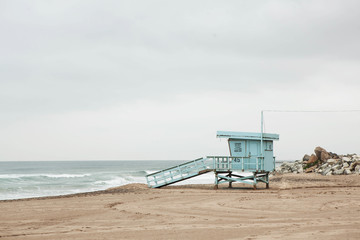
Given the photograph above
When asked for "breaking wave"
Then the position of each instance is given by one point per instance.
(53, 178)
(14, 176)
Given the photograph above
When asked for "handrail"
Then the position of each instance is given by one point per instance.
(179, 172)
(186, 163)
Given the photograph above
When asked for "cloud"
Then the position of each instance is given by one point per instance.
(78, 60)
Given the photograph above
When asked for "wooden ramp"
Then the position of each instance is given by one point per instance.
(180, 172)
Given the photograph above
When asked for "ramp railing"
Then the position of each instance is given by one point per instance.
(180, 172)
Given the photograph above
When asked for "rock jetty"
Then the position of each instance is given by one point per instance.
(323, 162)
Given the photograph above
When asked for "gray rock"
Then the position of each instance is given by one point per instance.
(357, 169)
(336, 167)
(331, 161)
(329, 173)
(345, 165)
(353, 165)
(326, 171)
(346, 159)
(325, 165)
(306, 158)
(347, 171)
(338, 172)
(293, 168)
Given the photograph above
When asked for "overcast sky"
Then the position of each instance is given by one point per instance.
(147, 80)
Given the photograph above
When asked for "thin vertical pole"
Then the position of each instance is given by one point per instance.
(262, 132)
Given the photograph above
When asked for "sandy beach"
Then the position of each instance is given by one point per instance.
(297, 206)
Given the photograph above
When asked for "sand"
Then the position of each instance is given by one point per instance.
(297, 206)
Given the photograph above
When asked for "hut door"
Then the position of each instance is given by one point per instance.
(254, 149)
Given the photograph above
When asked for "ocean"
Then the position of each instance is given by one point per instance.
(53, 178)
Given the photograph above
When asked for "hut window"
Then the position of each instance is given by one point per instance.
(237, 147)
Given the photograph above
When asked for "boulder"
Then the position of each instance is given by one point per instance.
(322, 154)
(334, 155)
(293, 168)
(346, 159)
(345, 165)
(306, 158)
(336, 167)
(325, 165)
(338, 172)
(353, 165)
(347, 171)
(310, 169)
(326, 171)
(332, 161)
(313, 158)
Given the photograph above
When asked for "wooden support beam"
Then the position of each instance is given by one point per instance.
(230, 182)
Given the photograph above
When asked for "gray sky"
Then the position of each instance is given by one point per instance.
(85, 80)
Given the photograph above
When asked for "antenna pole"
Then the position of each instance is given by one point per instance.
(262, 132)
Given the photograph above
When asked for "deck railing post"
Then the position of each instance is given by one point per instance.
(196, 166)
(164, 177)
(171, 175)
(180, 171)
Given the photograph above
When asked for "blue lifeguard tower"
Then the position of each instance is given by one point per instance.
(250, 161)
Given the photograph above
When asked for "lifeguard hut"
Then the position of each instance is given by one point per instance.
(251, 153)
(250, 161)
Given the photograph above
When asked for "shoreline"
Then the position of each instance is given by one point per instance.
(127, 187)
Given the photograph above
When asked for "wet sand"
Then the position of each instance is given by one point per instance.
(297, 206)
